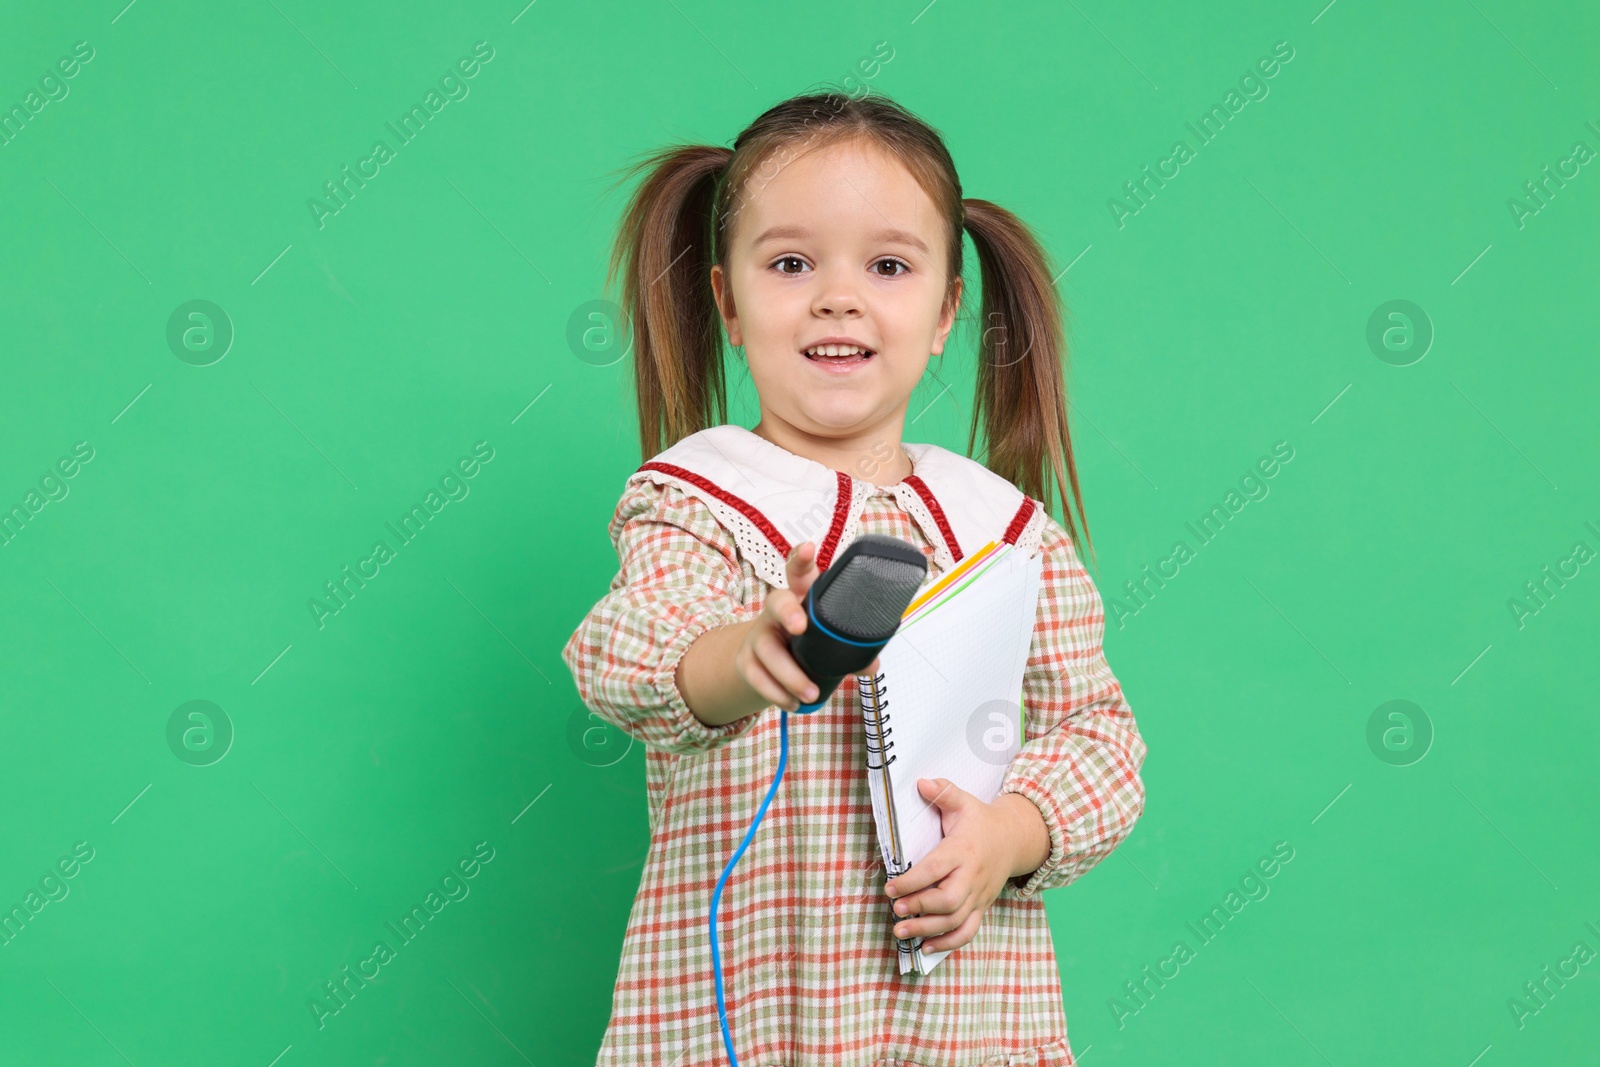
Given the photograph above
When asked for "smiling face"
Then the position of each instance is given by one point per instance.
(841, 242)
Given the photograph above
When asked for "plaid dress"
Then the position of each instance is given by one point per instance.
(810, 972)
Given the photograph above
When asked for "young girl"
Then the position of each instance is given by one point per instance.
(827, 243)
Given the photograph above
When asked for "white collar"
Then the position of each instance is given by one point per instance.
(771, 499)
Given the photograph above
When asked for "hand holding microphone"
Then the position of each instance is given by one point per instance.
(823, 627)
(764, 660)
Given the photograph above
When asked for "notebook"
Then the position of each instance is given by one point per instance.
(947, 703)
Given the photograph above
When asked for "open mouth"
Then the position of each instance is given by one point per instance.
(838, 355)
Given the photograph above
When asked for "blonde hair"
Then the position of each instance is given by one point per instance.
(677, 225)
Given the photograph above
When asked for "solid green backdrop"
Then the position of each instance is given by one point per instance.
(1373, 272)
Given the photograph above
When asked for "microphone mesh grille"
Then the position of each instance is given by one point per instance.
(868, 598)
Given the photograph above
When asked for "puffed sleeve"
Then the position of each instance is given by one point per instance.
(679, 577)
(1081, 750)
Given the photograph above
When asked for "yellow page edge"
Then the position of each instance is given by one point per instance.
(942, 583)
(939, 587)
(971, 577)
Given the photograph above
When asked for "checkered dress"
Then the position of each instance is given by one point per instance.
(810, 972)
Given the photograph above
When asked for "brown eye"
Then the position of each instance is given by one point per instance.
(896, 263)
(788, 259)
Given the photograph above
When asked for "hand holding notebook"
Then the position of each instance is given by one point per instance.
(952, 675)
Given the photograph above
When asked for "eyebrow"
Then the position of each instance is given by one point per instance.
(905, 237)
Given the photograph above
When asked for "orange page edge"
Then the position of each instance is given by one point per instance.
(943, 583)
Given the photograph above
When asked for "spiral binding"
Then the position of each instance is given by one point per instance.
(875, 721)
(875, 717)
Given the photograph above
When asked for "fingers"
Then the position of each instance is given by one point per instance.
(786, 610)
(764, 659)
(932, 869)
(769, 647)
(943, 901)
(775, 658)
(939, 910)
(928, 925)
(762, 682)
(946, 794)
(802, 568)
(957, 937)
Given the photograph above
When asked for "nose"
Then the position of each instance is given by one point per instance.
(839, 295)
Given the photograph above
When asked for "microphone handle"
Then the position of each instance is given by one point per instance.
(826, 657)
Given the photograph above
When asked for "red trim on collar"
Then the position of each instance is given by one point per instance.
(949, 535)
(1019, 520)
(761, 522)
(841, 513)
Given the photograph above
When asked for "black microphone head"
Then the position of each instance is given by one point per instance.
(866, 591)
(855, 607)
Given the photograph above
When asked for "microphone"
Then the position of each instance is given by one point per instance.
(854, 608)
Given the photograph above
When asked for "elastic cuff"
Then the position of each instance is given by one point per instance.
(692, 734)
(1028, 885)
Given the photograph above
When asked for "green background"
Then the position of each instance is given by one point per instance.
(432, 715)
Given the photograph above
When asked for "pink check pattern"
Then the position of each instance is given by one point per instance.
(804, 928)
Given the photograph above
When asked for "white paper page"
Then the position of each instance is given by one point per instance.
(954, 690)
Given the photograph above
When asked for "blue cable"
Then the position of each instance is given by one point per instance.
(783, 759)
(716, 958)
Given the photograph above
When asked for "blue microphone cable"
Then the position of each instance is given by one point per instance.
(783, 759)
(716, 958)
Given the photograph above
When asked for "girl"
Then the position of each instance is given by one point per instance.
(827, 243)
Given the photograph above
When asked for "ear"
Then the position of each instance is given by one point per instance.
(723, 293)
(947, 318)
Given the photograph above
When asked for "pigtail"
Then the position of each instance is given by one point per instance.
(1022, 353)
(679, 221)
(664, 251)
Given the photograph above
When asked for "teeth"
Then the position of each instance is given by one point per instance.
(836, 350)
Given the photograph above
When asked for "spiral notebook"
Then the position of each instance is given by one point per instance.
(947, 703)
